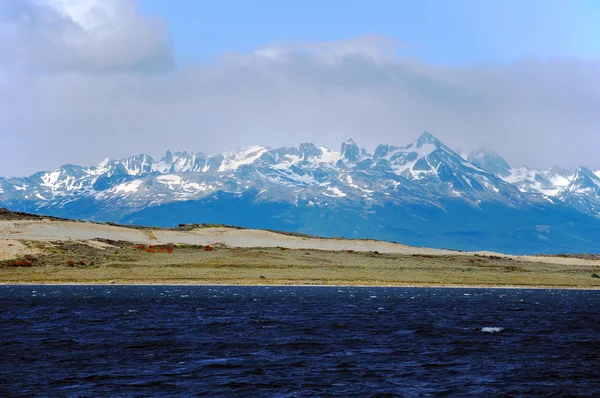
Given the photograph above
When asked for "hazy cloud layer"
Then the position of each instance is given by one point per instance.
(78, 84)
(97, 36)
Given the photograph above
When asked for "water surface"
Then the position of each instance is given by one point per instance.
(297, 341)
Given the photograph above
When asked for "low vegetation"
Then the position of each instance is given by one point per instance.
(107, 261)
(17, 215)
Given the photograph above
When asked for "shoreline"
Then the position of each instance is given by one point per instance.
(66, 253)
(418, 286)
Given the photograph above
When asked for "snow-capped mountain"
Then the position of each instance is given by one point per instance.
(546, 182)
(490, 160)
(583, 191)
(423, 193)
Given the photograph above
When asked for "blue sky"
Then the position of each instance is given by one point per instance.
(441, 32)
(519, 76)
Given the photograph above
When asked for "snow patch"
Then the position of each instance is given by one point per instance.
(50, 179)
(472, 166)
(128, 187)
(287, 162)
(169, 179)
(183, 188)
(327, 155)
(233, 160)
(104, 163)
(335, 192)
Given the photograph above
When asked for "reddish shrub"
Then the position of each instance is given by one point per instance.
(208, 248)
(70, 263)
(20, 263)
(471, 260)
(155, 248)
(82, 262)
(350, 251)
(165, 249)
(282, 248)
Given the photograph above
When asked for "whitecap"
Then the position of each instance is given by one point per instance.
(491, 329)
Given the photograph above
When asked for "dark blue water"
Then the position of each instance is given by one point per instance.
(297, 341)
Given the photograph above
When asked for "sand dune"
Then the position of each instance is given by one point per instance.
(13, 231)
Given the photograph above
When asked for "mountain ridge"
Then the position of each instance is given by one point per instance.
(414, 192)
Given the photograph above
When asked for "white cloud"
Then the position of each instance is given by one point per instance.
(375, 47)
(89, 100)
(76, 35)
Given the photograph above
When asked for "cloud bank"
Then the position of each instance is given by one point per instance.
(80, 81)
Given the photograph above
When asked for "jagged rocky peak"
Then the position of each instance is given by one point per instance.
(381, 151)
(402, 159)
(182, 154)
(140, 158)
(350, 151)
(384, 150)
(110, 167)
(168, 158)
(489, 160)
(427, 138)
(583, 192)
(423, 146)
(585, 178)
(310, 150)
(105, 162)
(137, 164)
(584, 182)
(557, 171)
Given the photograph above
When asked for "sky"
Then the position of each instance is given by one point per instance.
(82, 80)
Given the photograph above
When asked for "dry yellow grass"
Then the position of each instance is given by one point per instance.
(123, 263)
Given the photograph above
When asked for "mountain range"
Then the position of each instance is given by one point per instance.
(423, 194)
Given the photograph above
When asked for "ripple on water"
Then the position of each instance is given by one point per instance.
(290, 341)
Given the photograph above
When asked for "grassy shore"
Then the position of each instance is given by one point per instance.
(123, 262)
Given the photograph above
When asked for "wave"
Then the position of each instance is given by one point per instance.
(492, 329)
